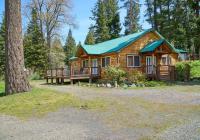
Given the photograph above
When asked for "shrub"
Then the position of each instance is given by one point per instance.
(115, 74)
(35, 76)
(136, 76)
(194, 70)
(180, 68)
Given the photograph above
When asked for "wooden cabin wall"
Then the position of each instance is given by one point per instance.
(134, 48)
(120, 59)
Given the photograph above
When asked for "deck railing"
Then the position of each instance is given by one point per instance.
(58, 72)
(86, 72)
(73, 72)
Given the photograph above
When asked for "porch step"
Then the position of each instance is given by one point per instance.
(164, 77)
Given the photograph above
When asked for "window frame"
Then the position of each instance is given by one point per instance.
(133, 55)
(106, 65)
(85, 61)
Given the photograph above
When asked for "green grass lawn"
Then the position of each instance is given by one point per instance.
(40, 101)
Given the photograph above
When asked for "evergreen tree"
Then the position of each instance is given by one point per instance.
(101, 22)
(90, 40)
(57, 54)
(70, 47)
(178, 21)
(79, 45)
(113, 17)
(35, 50)
(132, 18)
(2, 48)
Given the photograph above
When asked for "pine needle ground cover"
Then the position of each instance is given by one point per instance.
(39, 102)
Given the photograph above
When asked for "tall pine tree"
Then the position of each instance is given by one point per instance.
(132, 17)
(69, 47)
(35, 50)
(2, 48)
(113, 17)
(90, 40)
(178, 21)
(79, 44)
(101, 22)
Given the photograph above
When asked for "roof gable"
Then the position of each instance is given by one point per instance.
(152, 46)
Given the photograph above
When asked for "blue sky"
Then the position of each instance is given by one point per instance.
(82, 11)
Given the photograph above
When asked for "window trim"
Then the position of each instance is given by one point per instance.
(133, 61)
(83, 62)
(105, 61)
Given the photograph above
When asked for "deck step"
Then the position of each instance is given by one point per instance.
(164, 77)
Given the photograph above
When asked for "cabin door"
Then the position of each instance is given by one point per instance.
(94, 66)
(150, 62)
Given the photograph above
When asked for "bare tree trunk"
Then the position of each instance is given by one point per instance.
(15, 76)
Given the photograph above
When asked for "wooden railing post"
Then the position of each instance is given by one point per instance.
(51, 76)
(99, 71)
(62, 75)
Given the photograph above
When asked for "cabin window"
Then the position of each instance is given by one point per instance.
(166, 60)
(105, 61)
(133, 61)
(85, 63)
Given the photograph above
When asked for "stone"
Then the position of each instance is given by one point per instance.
(133, 85)
(108, 85)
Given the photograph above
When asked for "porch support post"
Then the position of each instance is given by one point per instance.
(153, 63)
(72, 82)
(118, 57)
(90, 81)
(89, 65)
(153, 59)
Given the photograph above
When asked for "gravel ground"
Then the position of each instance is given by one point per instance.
(161, 95)
(189, 131)
(76, 124)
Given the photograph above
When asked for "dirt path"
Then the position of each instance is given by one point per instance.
(78, 124)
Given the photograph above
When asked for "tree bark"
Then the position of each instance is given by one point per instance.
(15, 76)
(155, 14)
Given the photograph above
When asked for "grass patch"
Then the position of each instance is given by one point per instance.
(39, 102)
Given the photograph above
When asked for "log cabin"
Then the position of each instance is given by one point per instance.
(146, 51)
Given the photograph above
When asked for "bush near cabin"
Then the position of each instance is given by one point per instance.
(194, 70)
(115, 74)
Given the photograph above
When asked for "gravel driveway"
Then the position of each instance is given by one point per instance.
(78, 124)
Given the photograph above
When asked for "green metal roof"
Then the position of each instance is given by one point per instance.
(181, 51)
(113, 45)
(152, 46)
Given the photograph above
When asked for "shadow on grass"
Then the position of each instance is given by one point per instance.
(54, 84)
(2, 94)
(189, 83)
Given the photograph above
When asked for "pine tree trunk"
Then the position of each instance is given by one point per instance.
(155, 14)
(15, 76)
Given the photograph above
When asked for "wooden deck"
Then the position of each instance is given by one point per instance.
(62, 74)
